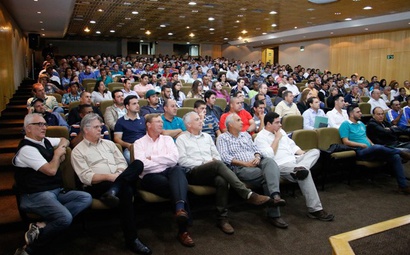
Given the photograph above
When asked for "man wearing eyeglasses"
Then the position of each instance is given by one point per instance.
(40, 187)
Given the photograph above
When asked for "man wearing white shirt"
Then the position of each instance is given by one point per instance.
(294, 163)
(232, 75)
(377, 101)
(309, 116)
(292, 87)
(337, 115)
(287, 106)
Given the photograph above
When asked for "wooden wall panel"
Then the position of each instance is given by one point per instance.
(367, 55)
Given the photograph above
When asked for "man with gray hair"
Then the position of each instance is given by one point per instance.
(198, 154)
(238, 150)
(263, 89)
(103, 171)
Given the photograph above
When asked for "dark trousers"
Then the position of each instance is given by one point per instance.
(125, 185)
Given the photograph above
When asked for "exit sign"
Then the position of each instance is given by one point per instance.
(390, 56)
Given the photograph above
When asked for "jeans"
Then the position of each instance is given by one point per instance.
(392, 156)
(124, 186)
(57, 208)
(217, 174)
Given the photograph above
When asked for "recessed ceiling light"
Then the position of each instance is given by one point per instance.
(142, 28)
(127, 3)
(112, 31)
(274, 25)
(338, 13)
(162, 25)
(92, 21)
(127, 18)
(331, 33)
(310, 9)
(161, 8)
(100, 10)
(191, 35)
(211, 18)
(192, 3)
(367, 8)
(97, 32)
(141, 40)
(35, 0)
(42, 29)
(243, 9)
(225, 38)
(187, 27)
(347, 19)
(170, 34)
(264, 33)
(194, 10)
(211, 29)
(86, 29)
(188, 43)
(134, 12)
(240, 15)
(273, 12)
(366, 29)
(148, 32)
(240, 38)
(43, 34)
(244, 31)
(237, 21)
(295, 27)
(38, 12)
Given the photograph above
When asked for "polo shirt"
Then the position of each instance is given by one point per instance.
(355, 132)
(131, 130)
(176, 123)
(243, 114)
(391, 115)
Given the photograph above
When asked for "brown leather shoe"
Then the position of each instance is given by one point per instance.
(257, 199)
(181, 216)
(185, 239)
(278, 201)
(278, 222)
(224, 225)
(405, 190)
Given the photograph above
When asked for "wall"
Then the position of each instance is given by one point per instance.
(316, 54)
(15, 55)
(367, 55)
(80, 47)
(243, 53)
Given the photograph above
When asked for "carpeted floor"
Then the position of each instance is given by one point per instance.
(361, 204)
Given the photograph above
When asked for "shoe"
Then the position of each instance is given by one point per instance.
(321, 215)
(257, 199)
(32, 233)
(139, 248)
(278, 222)
(300, 173)
(185, 239)
(405, 190)
(181, 217)
(278, 201)
(110, 199)
(405, 155)
(225, 226)
(21, 251)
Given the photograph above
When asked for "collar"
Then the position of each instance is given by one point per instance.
(128, 118)
(88, 143)
(35, 141)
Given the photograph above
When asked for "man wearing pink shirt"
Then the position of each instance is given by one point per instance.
(161, 174)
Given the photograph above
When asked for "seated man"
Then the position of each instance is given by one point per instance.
(377, 101)
(198, 153)
(241, 98)
(50, 102)
(263, 89)
(153, 103)
(397, 116)
(211, 108)
(166, 93)
(259, 114)
(236, 107)
(52, 118)
(40, 186)
(210, 124)
(294, 163)
(337, 115)
(310, 115)
(161, 174)
(127, 91)
(287, 106)
(103, 170)
(73, 95)
(76, 135)
(238, 150)
(380, 131)
(173, 125)
(130, 127)
(74, 114)
(353, 134)
(116, 111)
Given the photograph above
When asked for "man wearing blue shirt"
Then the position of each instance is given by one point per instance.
(353, 134)
(173, 125)
(397, 116)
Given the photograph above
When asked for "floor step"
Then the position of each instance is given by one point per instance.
(8, 208)
(9, 145)
(18, 102)
(11, 132)
(5, 123)
(6, 181)
(5, 160)
(14, 114)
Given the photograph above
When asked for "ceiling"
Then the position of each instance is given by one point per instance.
(256, 22)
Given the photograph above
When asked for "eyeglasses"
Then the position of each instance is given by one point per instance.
(40, 124)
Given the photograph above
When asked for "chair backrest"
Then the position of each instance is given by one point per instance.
(113, 85)
(142, 102)
(89, 81)
(292, 122)
(89, 87)
(189, 102)
(365, 108)
(327, 137)
(67, 171)
(58, 97)
(305, 139)
(186, 89)
(183, 110)
(73, 105)
(221, 102)
(57, 131)
(228, 89)
(104, 104)
(403, 104)
(247, 101)
(301, 86)
(364, 99)
(132, 158)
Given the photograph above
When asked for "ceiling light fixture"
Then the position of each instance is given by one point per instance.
(38, 12)
(134, 12)
(273, 12)
(240, 38)
(97, 32)
(112, 31)
(322, 1)
(244, 31)
(92, 21)
(43, 34)
(187, 27)
(41, 22)
(192, 3)
(302, 48)
(191, 35)
(162, 25)
(86, 29)
(225, 38)
(147, 32)
(211, 18)
(170, 34)
(348, 19)
(100, 10)
(274, 25)
(338, 13)
(367, 8)
(211, 29)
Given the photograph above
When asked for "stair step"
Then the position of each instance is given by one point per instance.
(18, 102)
(6, 180)
(8, 207)
(11, 133)
(14, 114)
(5, 123)
(9, 145)
(5, 161)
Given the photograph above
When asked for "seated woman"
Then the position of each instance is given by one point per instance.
(196, 91)
(302, 104)
(222, 79)
(220, 92)
(178, 95)
(100, 93)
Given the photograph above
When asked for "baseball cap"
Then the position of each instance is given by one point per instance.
(35, 100)
(150, 93)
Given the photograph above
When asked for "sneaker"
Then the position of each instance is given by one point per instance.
(21, 251)
(321, 215)
(32, 233)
